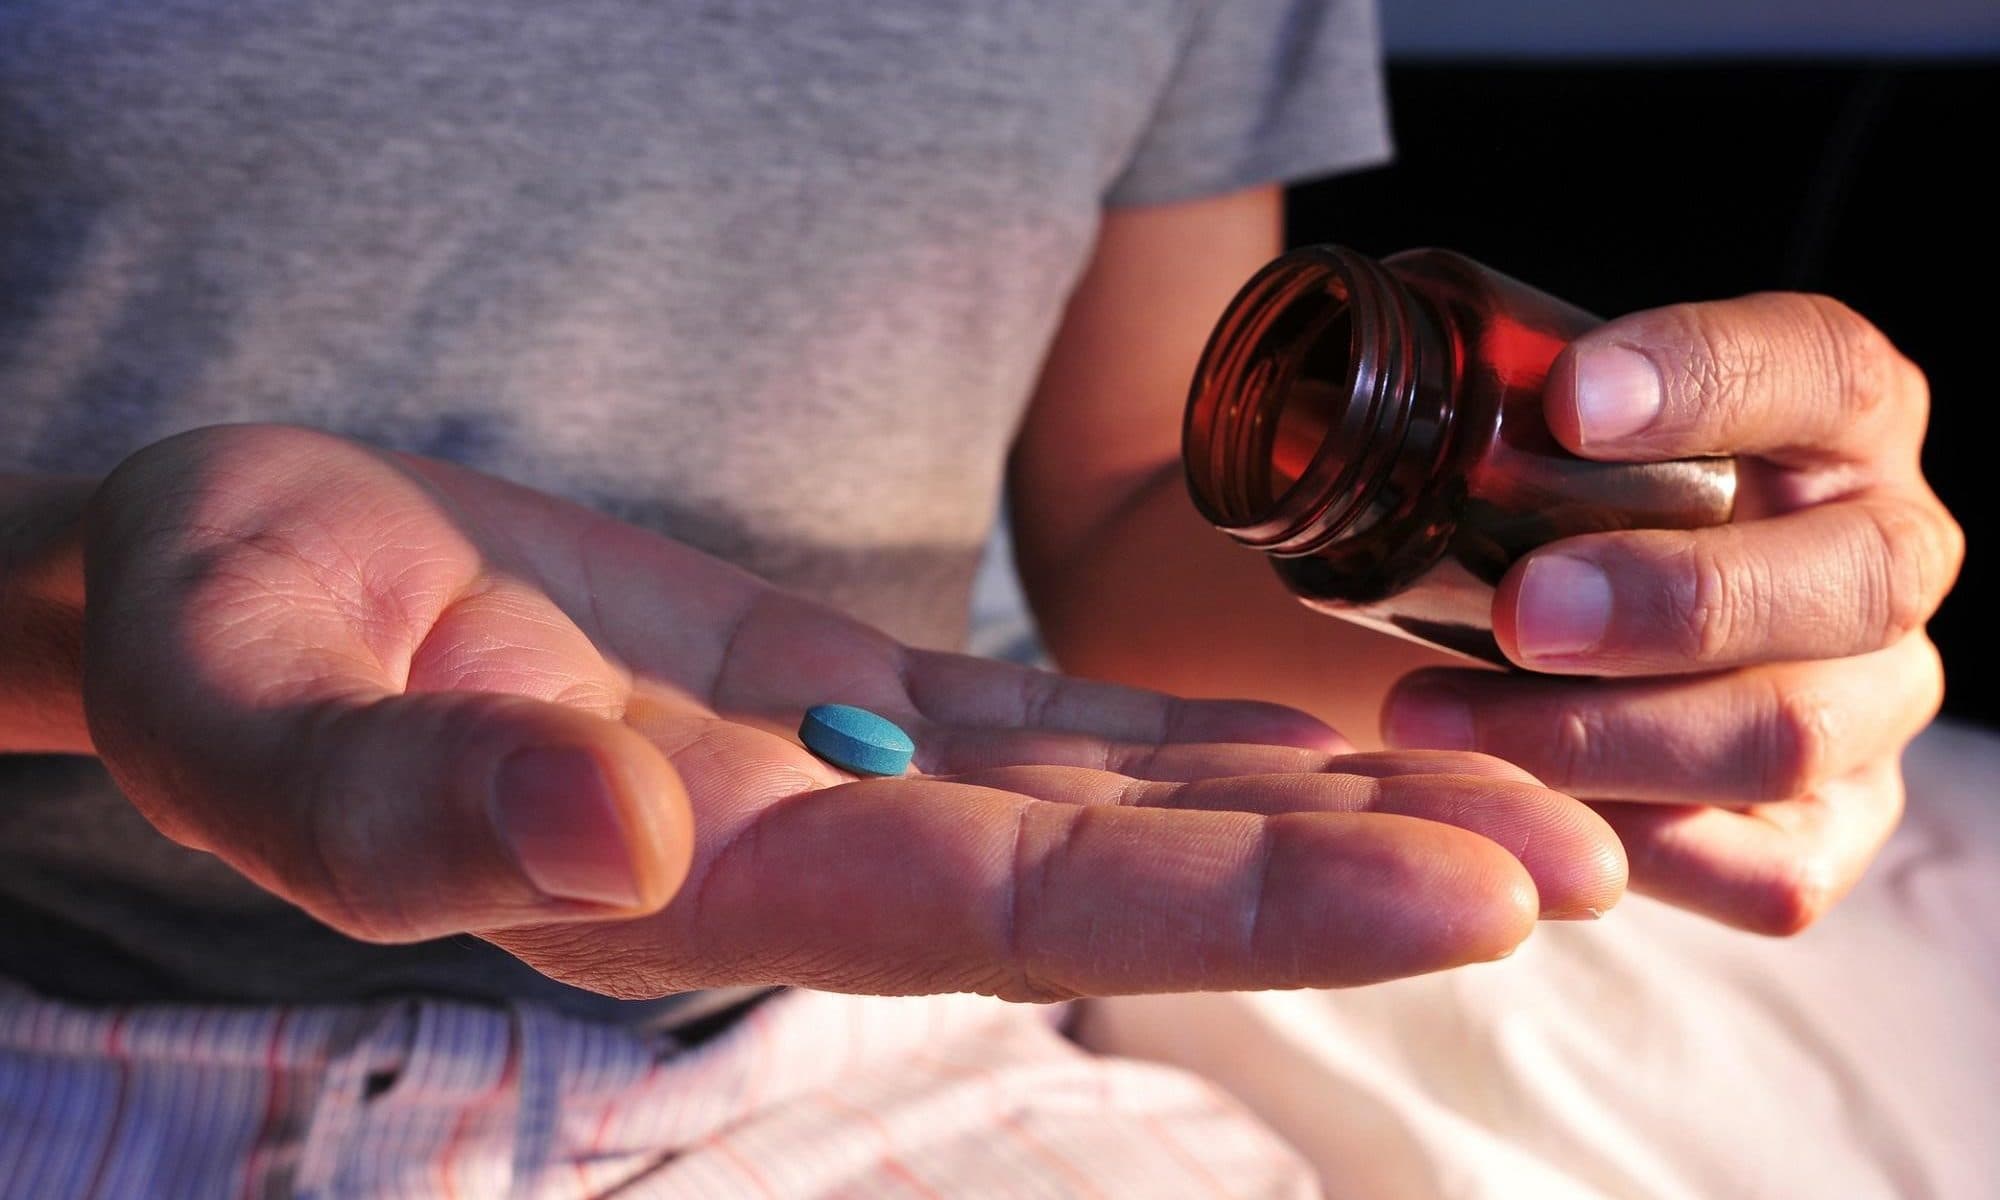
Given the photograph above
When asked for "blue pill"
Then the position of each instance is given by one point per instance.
(857, 739)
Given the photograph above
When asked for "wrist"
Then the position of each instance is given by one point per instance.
(41, 614)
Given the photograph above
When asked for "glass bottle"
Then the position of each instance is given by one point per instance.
(1376, 428)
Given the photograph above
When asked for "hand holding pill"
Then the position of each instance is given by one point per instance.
(510, 715)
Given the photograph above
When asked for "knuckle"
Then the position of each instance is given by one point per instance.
(1799, 742)
(1794, 898)
(1858, 359)
(1912, 387)
(1951, 555)
(1717, 606)
(1931, 669)
(1908, 563)
(1945, 538)
(1575, 747)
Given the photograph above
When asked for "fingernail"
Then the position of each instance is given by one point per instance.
(1428, 718)
(557, 811)
(1577, 914)
(1564, 607)
(1618, 393)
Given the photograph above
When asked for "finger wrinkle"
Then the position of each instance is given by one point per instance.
(1714, 605)
(1010, 931)
(1037, 697)
(1033, 860)
(1134, 793)
(586, 567)
(736, 843)
(1574, 745)
(1804, 730)
(1173, 716)
(732, 636)
(902, 664)
(1253, 924)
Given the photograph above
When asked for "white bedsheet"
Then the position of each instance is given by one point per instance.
(1655, 1054)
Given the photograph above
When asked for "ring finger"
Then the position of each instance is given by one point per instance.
(1737, 738)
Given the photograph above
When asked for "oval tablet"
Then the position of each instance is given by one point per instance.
(856, 739)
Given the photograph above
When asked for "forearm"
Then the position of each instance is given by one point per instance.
(1153, 596)
(1126, 579)
(41, 614)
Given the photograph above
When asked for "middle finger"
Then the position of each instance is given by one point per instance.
(1825, 582)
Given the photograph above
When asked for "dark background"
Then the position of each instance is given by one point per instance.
(1629, 186)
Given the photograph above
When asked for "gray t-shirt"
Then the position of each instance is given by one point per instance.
(770, 277)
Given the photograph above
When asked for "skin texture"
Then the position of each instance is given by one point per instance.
(314, 660)
(1762, 678)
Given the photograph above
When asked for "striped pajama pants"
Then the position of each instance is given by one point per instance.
(810, 1094)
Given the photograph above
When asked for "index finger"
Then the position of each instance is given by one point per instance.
(1015, 703)
(1796, 379)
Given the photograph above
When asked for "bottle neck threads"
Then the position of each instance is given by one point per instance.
(1324, 393)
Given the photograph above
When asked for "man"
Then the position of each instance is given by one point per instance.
(786, 286)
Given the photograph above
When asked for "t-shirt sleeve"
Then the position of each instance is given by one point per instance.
(1265, 91)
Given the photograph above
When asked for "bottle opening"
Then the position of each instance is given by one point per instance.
(1312, 400)
(1300, 401)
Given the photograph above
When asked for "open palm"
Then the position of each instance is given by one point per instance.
(416, 700)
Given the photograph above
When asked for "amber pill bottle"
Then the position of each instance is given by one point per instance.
(1376, 428)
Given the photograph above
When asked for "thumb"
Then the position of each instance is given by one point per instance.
(400, 817)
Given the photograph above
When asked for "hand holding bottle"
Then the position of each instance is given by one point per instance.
(1768, 673)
